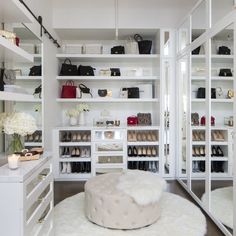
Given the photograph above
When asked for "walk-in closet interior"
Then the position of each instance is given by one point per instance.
(89, 88)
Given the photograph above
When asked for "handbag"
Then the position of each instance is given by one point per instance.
(230, 93)
(68, 90)
(38, 91)
(85, 70)
(203, 120)
(196, 51)
(194, 118)
(35, 71)
(118, 50)
(115, 72)
(102, 92)
(144, 46)
(132, 120)
(223, 50)
(219, 93)
(131, 46)
(67, 69)
(84, 90)
(225, 72)
(144, 119)
(9, 77)
(201, 93)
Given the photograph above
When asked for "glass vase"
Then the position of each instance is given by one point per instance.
(15, 144)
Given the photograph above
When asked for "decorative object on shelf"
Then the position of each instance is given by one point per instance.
(203, 120)
(196, 51)
(26, 155)
(223, 50)
(145, 90)
(225, 72)
(230, 94)
(105, 72)
(115, 72)
(9, 36)
(131, 46)
(9, 77)
(219, 93)
(104, 93)
(132, 120)
(35, 71)
(86, 70)
(73, 115)
(229, 121)
(144, 118)
(84, 90)
(123, 93)
(38, 91)
(201, 93)
(82, 108)
(13, 161)
(118, 50)
(68, 90)
(18, 125)
(144, 46)
(67, 69)
(72, 48)
(132, 92)
(117, 122)
(194, 119)
(92, 49)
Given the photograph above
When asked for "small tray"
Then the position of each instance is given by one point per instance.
(29, 158)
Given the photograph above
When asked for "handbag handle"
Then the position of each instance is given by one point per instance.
(138, 38)
(70, 82)
(67, 59)
(81, 87)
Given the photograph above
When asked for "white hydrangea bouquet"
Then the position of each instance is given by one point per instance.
(17, 125)
(72, 112)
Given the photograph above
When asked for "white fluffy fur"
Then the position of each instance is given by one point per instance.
(222, 205)
(179, 218)
(144, 187)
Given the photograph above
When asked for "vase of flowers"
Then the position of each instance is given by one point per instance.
(17, 125)
(73, 116)
(82, 108)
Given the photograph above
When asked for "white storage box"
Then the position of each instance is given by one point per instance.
(72, 48)
(145, 90)
(92, 49)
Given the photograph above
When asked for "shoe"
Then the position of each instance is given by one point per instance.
(77, 152)
(202, 166)
(139, 136)
(74, 137)
(73, 153)
(37, 138)
(144, 151)
(149, 152)
(82, 167)
(68, 137)
(219, 152)
(202, 151)
(154, 135)
(31, 138)
(213, 151)
(68, 168)
(193, 152)
(140, 152)
(130, 136)
(135, 152)
(130, 152)
(83, 152)
(144, 138)
(64, 137)
(154, 151)
(64, 167)
(78, 137)
(197, 151)
(202, 136)
(63, 154)
(88, 137)
(84, 137)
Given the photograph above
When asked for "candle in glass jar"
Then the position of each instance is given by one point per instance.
(13, 161)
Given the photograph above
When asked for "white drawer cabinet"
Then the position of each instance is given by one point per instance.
(26, 200)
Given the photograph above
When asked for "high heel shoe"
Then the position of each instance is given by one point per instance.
(135, 152)
(213, 151)
(73, 153)
(149, 152)
(130, 136)
(202, 151)
(149, 136)
(140, 151)
(202, 136)
(77, 152)
(68, 137)
(154, 136)
(144, 138)
(78, 137)
(68, 168)
(84, 137)
(219, 152)
(197, 151)
(144, 151)
(74, 138)
(193, 152)
(154, 152)
(130, 152)
(64, 167)
(139, 136)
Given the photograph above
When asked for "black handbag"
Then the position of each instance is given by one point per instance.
(223, 50)
(132, 92)
(1, 79)
(144, 46)
(102, 92)
(67, 69)
(196, 51)
(38, 90)
(118, 50)
(201, 93)
(115, 72)
(35, 71)
(85, 70)
(225, 72)
(84, 89)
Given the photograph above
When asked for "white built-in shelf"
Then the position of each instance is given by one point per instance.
(74, 176)
(139, 127)
(109, 100)
(109, 165)
(225, 100)
(108, 78)
(215, 143)
(215, 175)
(28, 78)
(149, 143)
(92, 57)
(213, 78)
(71, 144)
(143, 158)
(215, 58)
(37, 57)
(8, 96)
(75, 159)
(13, 11)
(198, 143)
(33, 144)
(212, 158)
(221, 143)
(10, 53)
(215, 127)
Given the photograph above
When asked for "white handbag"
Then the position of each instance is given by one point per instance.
(219, 93)
(131, 46)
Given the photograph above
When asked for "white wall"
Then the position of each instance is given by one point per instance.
(132, 13)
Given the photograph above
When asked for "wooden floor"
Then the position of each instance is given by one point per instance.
(63, 190)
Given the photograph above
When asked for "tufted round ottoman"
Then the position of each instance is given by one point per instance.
(127, 200)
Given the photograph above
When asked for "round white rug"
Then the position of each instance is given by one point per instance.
(222, 205)
(179, 217)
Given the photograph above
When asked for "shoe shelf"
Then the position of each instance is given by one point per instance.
(74, 176)
(74, 159)
(212, 158)
(28, 78)
(143, 158)
(215, 58)
(213, 78)
(109, 100)
(72, 144)
(33, 144)
(110, 166)
(108, 78)
(200, 100)
(143, 143)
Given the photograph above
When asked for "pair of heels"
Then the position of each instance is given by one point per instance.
(66, 137)
(85, 153)
(36, 137)
(217, 135)
(142, 136)
(216, 151)
(81, 137)
(151, 166)
(142, 151)
(217, 166)
(198, 151)
(198, 166)
(65, 153)
(66, 168)
(75, 152)
(198, 136)
(81, 167)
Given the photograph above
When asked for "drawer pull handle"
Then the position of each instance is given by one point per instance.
(40, 199)
(42, 176)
